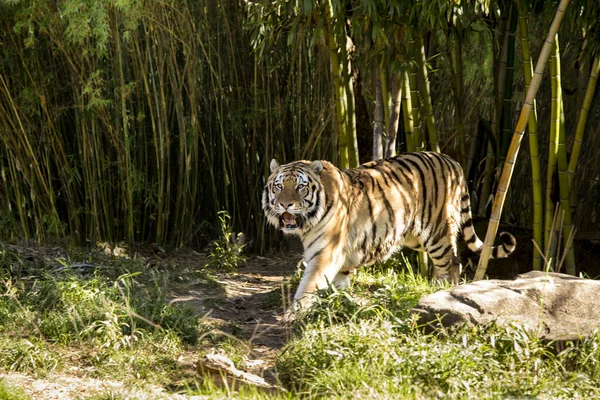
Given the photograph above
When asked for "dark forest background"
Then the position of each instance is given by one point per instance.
(140, 120)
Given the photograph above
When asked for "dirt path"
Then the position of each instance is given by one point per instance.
(249, 308)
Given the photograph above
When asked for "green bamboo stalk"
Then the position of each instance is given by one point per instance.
(350, 101)
(339, 89)
(552, 154)
(508, 91)
(563, 177)
(128, 168)
(583, 115)
(513, 149)
(415, 101)
(532, 127)
(387, 101)
(425, 92)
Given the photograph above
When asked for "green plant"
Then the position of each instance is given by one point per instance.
(226, 253)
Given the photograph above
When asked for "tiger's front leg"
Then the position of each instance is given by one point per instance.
(322, 269)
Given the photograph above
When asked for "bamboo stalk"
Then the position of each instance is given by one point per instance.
(583, 115)
(508, 84)
(513, 149)
(532, 127)
(552, 153)
(350, 101)
(561, 154)
(425, 92)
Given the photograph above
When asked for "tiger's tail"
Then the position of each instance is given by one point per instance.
(473, 242)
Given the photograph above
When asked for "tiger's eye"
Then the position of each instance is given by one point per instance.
(301, 186)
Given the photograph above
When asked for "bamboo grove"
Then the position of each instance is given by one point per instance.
(140, 120)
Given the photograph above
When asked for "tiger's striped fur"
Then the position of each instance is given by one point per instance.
(348, 218)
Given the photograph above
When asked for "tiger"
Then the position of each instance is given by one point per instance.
(359, 216)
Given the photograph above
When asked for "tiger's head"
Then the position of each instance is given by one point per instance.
(293, 199)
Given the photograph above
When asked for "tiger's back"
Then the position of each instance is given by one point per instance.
(419, 200)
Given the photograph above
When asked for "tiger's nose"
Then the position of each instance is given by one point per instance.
(286, 205)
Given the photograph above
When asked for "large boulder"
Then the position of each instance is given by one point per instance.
(554, 306)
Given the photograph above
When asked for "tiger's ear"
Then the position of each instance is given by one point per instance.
(317, 166)
(274, 165)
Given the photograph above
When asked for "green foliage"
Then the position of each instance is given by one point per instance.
(226, 253)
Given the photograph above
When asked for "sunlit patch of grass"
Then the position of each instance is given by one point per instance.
(152, 359)
(115, 325)
(364, 342)
(10, 392)
(207, 388)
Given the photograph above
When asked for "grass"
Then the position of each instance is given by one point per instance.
(113, 320)
(366, 344)
(10, 392)
(112, 317)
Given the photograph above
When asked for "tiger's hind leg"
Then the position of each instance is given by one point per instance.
(446, 266)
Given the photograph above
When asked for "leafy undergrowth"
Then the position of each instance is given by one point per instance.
(365, 344)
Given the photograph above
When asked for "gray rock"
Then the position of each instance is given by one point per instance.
(555, 306)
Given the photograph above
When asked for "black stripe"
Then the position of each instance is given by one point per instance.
(444, 253)
(314, 211)
(314, 241)
(370, 206)
(472, 239)
(383, 175)
(468, 223)
(437, 236)
(388, 207)
(435, 248)
(334, 239)
(405, 169)
(423, 186)
(427, 162)
(316, 253)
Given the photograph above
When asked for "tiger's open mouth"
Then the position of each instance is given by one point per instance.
(289, 221)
